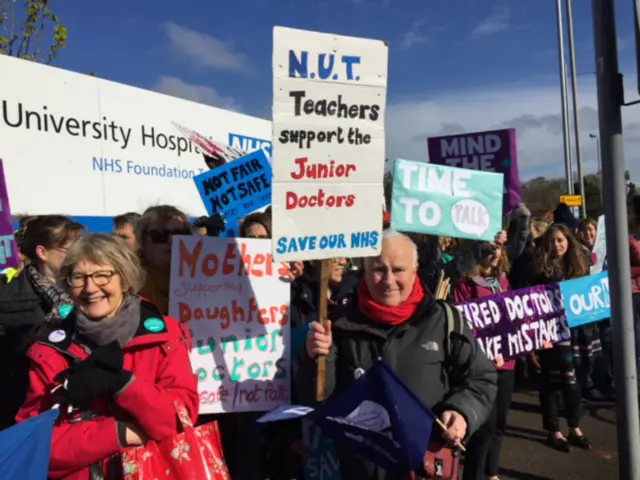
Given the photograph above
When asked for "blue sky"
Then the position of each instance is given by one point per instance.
(454, 64)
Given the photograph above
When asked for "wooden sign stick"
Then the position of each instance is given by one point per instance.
(323, 297)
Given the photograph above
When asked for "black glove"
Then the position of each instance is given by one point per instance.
(100, 374)
(215, 225)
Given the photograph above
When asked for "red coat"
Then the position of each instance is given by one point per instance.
(477, 287)
(159, 361)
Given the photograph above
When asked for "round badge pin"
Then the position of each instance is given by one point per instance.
(153, 325)
(57, 336)
(358, 372)
(64, 311)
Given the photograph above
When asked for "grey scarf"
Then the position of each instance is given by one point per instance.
(121, 327)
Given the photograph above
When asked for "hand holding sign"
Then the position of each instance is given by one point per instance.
(319, 340)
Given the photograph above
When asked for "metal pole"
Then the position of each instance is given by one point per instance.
(599, 171)
(610, 100)
(576, 111)
(565, 105)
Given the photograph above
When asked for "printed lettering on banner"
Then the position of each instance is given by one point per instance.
(237, 188)
(235, 301)
(516, 323)
(493, 151)
(447, 201)
(586, 299)
(329, 96)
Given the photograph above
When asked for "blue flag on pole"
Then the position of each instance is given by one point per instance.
(25, 448)
(376, 416)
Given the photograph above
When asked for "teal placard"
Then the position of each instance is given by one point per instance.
(446, 201)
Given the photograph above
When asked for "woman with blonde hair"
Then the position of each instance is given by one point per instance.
(115, 359)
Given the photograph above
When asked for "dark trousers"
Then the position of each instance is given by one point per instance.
(242, 445)
(483, 451)
(559, 359)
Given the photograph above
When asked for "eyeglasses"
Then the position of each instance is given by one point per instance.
(100, 279)
(162, 236)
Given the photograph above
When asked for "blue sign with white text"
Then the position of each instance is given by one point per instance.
(249, 144)
(237, 188)
(586, 300)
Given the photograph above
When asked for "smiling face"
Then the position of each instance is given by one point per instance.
(588, 234)
(390, 277)
(97, 290)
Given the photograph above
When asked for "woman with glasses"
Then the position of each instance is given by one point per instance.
(154, 232)
(31, 299)
(115, 359)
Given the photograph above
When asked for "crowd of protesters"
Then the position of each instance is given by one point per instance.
(77, 305)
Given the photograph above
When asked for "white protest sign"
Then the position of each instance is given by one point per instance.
(235, 301)
(329, 96)
(600, 247)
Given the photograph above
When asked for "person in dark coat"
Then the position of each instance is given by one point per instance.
(31, 299)
(396, 319)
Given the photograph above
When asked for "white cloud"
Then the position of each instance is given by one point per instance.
(197, 93)
(497, 21)
(534, 110)
(414, 36)
(204, 50)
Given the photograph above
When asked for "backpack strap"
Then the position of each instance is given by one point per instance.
(453, 324)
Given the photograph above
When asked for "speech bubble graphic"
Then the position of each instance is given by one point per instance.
(470, 217)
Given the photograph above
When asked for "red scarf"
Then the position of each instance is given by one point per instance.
(391, 316)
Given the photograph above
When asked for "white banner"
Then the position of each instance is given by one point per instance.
(328, 144)
(235, 301)
(118, 145)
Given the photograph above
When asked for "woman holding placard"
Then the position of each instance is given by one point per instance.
(488, 278)
(558, 257)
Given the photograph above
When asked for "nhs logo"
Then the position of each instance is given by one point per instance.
(249, 144)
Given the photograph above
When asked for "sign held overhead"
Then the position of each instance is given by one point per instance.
(328, 144)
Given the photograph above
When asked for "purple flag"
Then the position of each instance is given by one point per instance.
(516, 323)
(492, 151)
(8, 246)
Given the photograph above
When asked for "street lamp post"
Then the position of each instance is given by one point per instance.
(564, 99)
(576, 111)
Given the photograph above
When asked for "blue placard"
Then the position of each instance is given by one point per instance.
(586, 299)
(237, 188)
(231, 228)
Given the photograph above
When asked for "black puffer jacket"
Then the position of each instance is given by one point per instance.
(304, 297)
(21, 309)
(464, 380)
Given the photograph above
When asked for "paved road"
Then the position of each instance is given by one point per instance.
(525, 456)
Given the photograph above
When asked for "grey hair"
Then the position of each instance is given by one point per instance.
(390, 234)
